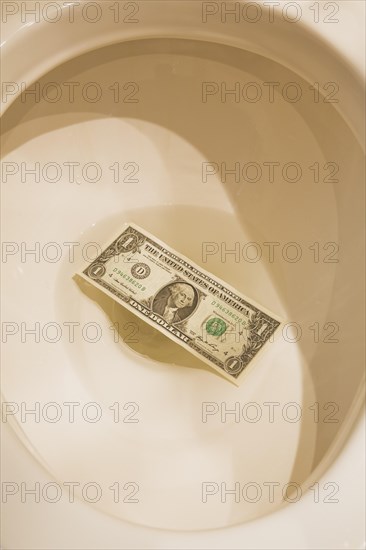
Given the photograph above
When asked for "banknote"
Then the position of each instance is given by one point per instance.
(193, 307)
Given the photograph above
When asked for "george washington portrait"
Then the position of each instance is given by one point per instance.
(175, 302)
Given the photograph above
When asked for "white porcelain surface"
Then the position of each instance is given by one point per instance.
(171, 451)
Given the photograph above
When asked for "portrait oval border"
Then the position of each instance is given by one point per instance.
(177, 281)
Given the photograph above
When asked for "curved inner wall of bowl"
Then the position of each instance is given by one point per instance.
(322, 53)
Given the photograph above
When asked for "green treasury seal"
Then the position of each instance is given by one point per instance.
(215, 326)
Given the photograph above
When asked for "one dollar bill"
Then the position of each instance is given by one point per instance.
(196, 309)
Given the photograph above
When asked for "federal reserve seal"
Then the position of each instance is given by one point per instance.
(140, 270)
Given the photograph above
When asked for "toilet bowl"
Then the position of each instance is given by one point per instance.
(202, 122)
